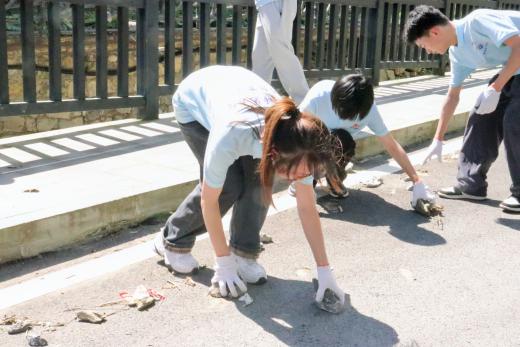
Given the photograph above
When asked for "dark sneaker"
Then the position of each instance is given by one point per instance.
(511, 204)
(342, 193)
(456, 193)
(339, 195)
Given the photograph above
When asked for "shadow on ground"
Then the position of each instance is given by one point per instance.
(285, 309)
(366, 208)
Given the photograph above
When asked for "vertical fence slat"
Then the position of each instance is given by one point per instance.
(187, 38)
(221, 34)
(251, 24)
(402, 43)
(101, 52)
(309, 24)
(4, 73)
(151, 55)
(169, 42)
(408, 46)
(237, 35)
(204, 34)
(54, 37)
(394, 39)
(388, 31)
(376, 38)
(28, 55)
(363, 38)
(296, 32)
(122, 51)
(140, 60)
(352, 49)
(78, 50)
(333, 27)
(442, 60)
(342, 37)
(320, 54)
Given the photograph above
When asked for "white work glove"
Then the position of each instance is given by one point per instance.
(326, 280)
(226, 276)
(421, 191)
(435, 148)
(487, 101)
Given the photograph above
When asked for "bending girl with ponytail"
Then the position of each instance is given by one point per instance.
(243, 134)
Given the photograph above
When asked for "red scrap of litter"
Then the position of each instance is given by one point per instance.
(155, 294)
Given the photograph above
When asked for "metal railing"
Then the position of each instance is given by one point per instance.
(332, 37)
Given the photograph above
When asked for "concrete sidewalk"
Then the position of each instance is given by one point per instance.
(63, 186)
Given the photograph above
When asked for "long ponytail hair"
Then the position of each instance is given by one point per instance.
(290, 137)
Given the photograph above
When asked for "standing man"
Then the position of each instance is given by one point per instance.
(484, 38)
(272, 47)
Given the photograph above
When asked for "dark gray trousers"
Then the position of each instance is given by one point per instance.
(241, 189)
(482, 138)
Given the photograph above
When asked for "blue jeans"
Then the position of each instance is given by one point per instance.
(241, 189)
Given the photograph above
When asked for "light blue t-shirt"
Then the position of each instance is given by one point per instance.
(318, 102)
(260, 3)
(214, 97)
(480, 42)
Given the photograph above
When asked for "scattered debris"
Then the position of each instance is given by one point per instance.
(19, 327)
(189, 282)
(246, 299)
(428, 208)
(112, 303)
(145, 303)
(331, 301)
(8, 320)
(373, 182)
(32, 190)
(90, 316)
(214, 292)
(36, 340)
(265, 238)
(170, 285)
(142, 298)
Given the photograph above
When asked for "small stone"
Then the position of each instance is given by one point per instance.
(373, 183)
(246, 299)
(145, 303)
(37, 341)
(189, 282)
(19, 327)
(90, 317)
(265, 238)
(214, 292)
(331, 301)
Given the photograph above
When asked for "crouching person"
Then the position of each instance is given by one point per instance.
(346, 106)
(243, 134)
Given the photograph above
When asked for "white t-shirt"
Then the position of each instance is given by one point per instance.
(318, 102)
(214, 97)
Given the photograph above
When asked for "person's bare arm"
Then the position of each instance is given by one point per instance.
(448, 108)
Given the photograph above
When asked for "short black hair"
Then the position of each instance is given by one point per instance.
(352, 95)
(421, 19)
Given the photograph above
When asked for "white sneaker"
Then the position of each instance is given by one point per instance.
(183, 263)
(158, 245)
(250, 271)
(511, 204)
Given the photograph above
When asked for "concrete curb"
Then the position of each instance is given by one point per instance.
(67, 229)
